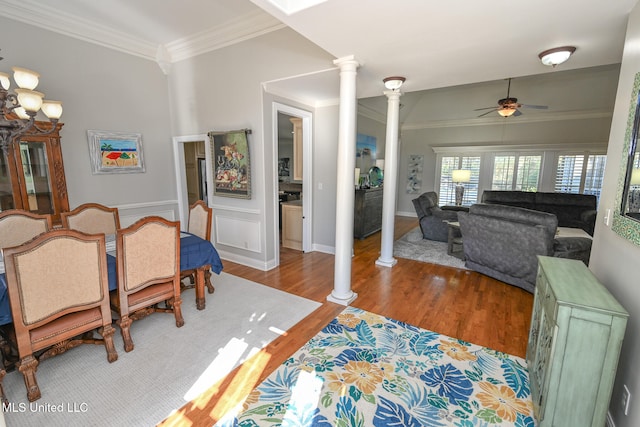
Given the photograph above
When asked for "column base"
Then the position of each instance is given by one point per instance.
(386, 263)
(341, 301)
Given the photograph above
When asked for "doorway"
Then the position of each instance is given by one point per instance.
(292, 146)
(192, 154)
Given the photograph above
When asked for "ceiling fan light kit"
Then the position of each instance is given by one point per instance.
(507, 111)
(556, 56)
(509, 106)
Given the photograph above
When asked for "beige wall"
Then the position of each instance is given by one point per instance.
(614, 260)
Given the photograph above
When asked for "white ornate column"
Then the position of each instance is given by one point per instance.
(389, 190)
(345, 188)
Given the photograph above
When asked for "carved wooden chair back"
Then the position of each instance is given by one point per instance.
(18, 226)
(58, 289)
(92, 218)
(200, 220)
(148, 266)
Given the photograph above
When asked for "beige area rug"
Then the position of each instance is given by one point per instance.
(168, 367)
(413, 246)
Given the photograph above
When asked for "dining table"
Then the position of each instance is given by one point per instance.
(195, 254)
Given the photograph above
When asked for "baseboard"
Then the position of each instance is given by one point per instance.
(609, 421)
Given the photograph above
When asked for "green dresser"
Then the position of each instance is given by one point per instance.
(576, 333)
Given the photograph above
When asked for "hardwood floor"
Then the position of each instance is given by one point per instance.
(458, 303)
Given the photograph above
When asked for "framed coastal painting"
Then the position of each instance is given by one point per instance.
(232, 166)
(115, 152)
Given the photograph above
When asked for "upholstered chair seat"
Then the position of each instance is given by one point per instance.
(59, 291)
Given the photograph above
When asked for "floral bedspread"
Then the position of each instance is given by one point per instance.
(363, 369)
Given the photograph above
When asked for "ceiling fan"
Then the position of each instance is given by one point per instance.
(509, 106)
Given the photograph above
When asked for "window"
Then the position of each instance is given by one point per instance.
(516, 172)
(580, 173)
(447, 193)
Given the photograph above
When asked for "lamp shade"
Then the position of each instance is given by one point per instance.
(4, 81)
(25, 79)
(30, 100)
(52, 109)
(21, 113)
(461, 175)
(556, 56)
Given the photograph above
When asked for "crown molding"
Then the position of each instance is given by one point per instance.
(49, 18)
(530, 146)
(243, 28)
(538, 118)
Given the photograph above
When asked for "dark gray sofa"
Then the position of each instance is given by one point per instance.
(572, 210)
(503, 242)
(432, 218)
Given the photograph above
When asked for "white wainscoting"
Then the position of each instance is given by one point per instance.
(130, 213)
(238, 233)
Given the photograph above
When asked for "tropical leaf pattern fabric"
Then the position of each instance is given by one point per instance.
(363, 369)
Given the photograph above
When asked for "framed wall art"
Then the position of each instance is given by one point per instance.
(115, 152)
(414, 173)
(232, 164)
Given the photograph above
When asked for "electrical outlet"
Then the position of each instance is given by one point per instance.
(607, 218)
(626, 398)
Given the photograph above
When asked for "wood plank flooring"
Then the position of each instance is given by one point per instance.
(458, 303)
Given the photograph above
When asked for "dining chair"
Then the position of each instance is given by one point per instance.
(59, 294)
(199, 224)
(18, 226)
(92, 218)
(148, 269)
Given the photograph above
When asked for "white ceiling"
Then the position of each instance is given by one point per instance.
(433, 44)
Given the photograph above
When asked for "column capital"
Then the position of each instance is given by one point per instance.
(347, 62)
(392, 94)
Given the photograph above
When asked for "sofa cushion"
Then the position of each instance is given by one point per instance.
(522, 199)
(572, 210)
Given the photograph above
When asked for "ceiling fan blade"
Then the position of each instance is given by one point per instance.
(488, 112)
(485, 108)
(517, 113)
(539, 107)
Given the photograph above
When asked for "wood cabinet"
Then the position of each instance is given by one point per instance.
(292, 224)
(32, 174)
(576, 334)
(297, 148)
(367, 216)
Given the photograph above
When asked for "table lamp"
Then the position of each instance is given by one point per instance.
(459, 177)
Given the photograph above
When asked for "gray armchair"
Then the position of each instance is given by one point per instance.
(431, 217)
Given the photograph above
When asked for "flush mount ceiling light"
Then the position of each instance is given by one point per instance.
(556, 56)
(393, 83)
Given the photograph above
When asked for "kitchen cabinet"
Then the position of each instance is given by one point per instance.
(297, 148)
(292, 224)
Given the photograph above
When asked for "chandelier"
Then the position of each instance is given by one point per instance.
(19, 109)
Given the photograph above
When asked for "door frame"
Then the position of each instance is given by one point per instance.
(181, 178)
(307, 182)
